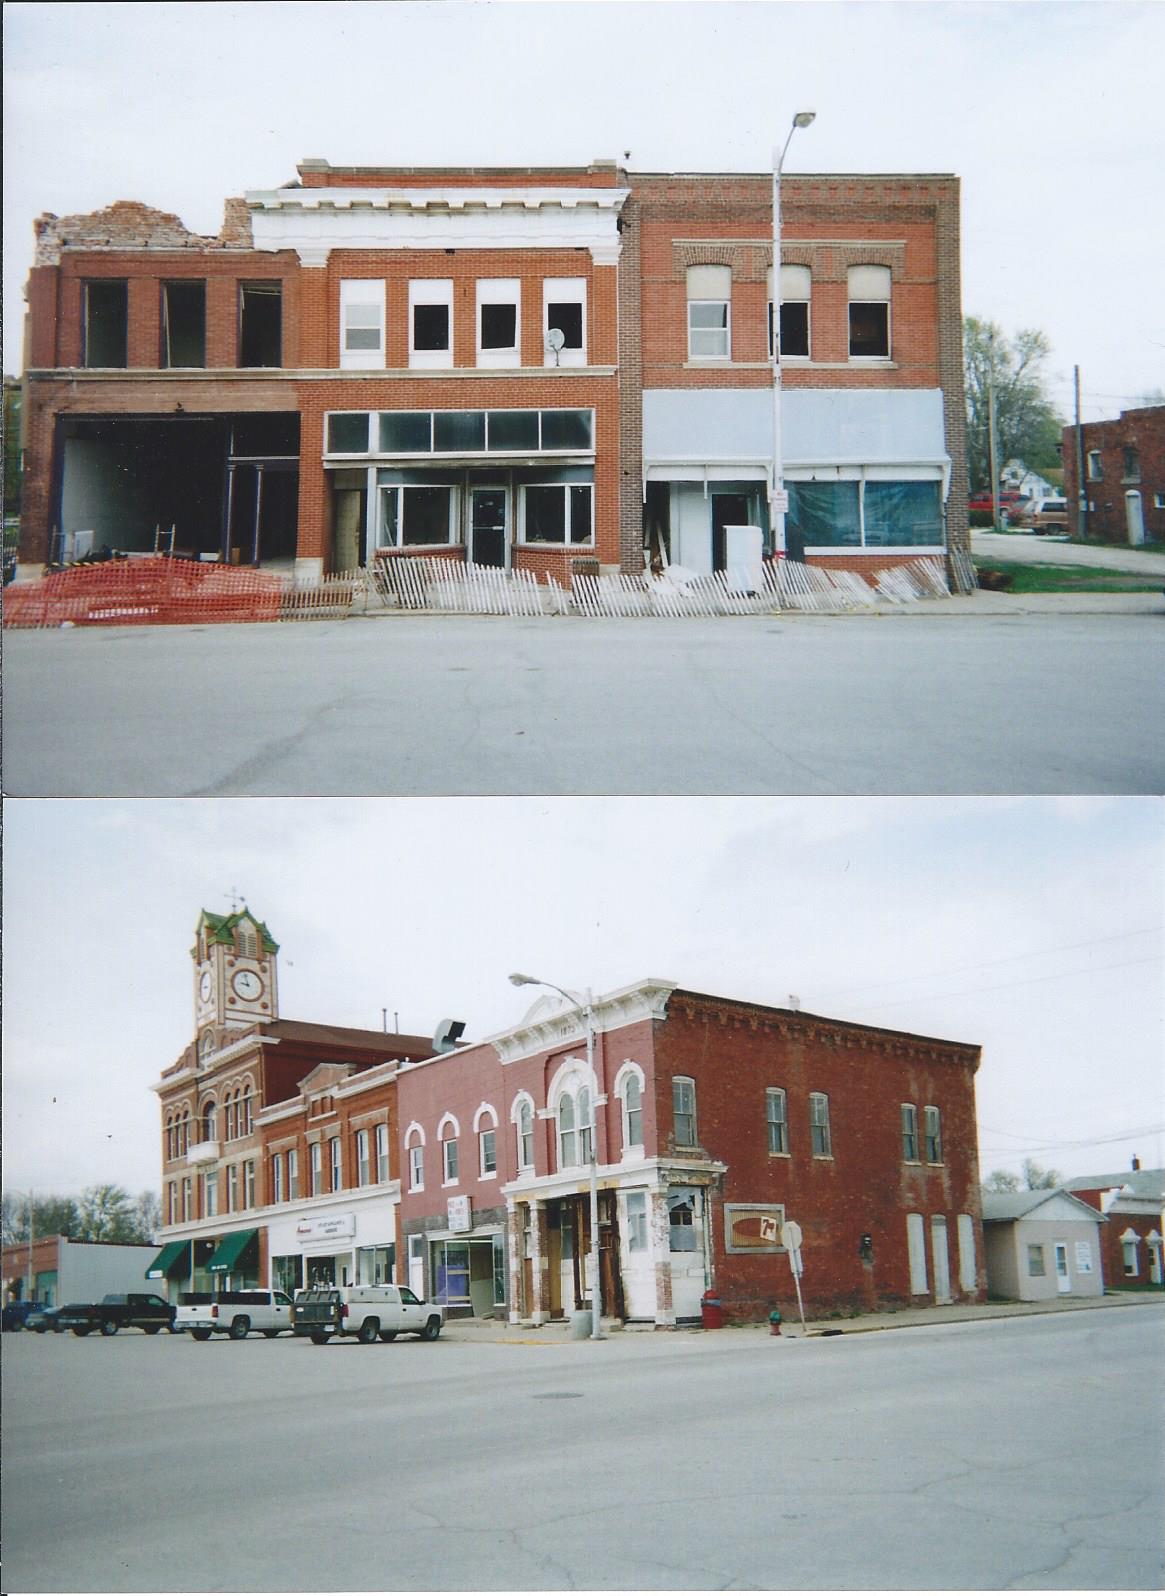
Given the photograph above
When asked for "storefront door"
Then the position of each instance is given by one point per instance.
(487, 527)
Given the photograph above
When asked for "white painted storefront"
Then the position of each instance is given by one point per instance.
(346, 1239)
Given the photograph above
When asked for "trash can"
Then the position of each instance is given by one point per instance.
(712, 1311)
(581, 1324)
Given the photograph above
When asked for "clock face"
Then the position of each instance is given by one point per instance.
(246, 984)
(204, 986)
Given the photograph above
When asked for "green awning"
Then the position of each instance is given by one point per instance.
(229, 1250)
(163, 1264)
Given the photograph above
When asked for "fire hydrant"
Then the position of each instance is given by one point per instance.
(775, 1322)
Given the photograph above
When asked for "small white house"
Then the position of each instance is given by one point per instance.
(1039, 1245)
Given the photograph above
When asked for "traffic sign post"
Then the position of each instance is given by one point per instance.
(791, 1237)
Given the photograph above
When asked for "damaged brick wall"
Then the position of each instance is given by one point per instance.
(128, 224)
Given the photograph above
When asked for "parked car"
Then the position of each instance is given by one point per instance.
(14, 1315)
(1049, 515)
(233, 1313)
(367, 1312)
(43, 1320)
(120, 1310)
(1009, 499)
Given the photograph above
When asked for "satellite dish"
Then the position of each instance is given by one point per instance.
(447, 1035)
(555, 339)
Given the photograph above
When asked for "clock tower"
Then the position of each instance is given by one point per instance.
(234, 971)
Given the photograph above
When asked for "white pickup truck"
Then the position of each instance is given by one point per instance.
(233, 1313)
(369, 1313)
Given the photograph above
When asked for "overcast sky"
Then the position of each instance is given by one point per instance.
(1051, 114)
(1032, 927)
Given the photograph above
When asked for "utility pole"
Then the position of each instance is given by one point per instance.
(1081, 490)
(991, 433)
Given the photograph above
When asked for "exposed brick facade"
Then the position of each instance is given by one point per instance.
(636, 328)
(1121, 458)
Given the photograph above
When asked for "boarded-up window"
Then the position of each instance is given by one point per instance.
(106, 324)
(968, 1268)
(916, 1250)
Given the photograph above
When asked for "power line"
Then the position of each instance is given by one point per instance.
(986, 964)
(1003, 986)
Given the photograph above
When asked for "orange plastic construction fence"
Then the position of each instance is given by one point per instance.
(146, 592)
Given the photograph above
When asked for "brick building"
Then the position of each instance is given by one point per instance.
(279, 1163)
(715, 1120)
(1133, 1201)
(515, 367)
(1124, 477)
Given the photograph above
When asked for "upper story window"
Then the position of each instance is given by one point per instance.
(683, 1092)
(415, 1149)
(249, 1183)
(819, 1136)
(260, 324)
(278, 1189)
(447, 1134)
(632, 1096)
(1095, 466)
(361, 324)
(869, 312)
(382, 1154)
(498, 321)
(777, 1119)
(909, 1133)
(431, 322)
(363, 1158)
(247, 940)
(523, 1116)
(564, 314)
(210, 1195)
(316, 1155)
(337, 1176)
(209, 1116)
(575, 1123)
(709, 312)
(184, 324)
(796, 294)
(934, 1135)
(488, 1149)
(1132, 466)
(292, 1174)
(105, 324)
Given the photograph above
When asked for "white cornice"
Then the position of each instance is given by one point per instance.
(644, 1000)
(315, 221)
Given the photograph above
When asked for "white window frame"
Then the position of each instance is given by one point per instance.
(678, 1084)
(910, 1130)
(1036, 1256)
(187, 1198)
(500, 291)
(449, 1176)
(249, 1183)
(232, 1188)
(398, 488)
(931, 1116)
(566, 542)
(363, 1158)
(699, 280)
(1130, 1241)
(365, 296)
(335, 1164)
(772, 1094)
(417, 1167)
(522, 1102)
(563, 291)
(1095, 460)
(799, 298)
(430, 291)
(316, 1168)
(630, 1075)
(485, 1171)
(278, 1188)
(383, 1167)
(867, 298)
(210, 1195)
(819, 1122)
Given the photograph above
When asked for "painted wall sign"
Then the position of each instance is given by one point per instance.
(459, 1215)
(1083, 1258)
(753, 1227)
(336, 1227)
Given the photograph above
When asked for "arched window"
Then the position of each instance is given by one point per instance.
(209, 1121)
(567, 1141)
(586, 1127)
(246, 1098)
(205, 1045)
(171, 1140)
(184, 1133)
(229, 1118)
(633, 1113)
(415, 1147)
(524, 1123)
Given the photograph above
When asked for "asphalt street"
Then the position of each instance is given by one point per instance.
(1015, 1454)
(982, 696)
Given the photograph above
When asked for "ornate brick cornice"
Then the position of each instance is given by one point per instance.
(827, 258)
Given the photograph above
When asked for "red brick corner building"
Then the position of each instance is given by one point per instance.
(296, 1153)
(523, 368)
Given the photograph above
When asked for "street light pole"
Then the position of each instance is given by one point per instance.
(586, 1009)
(777, 499)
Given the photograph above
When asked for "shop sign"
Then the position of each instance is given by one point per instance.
(459, 1215)
(753, 1227)
(336, 1227)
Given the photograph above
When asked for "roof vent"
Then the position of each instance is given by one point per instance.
(794, 1002)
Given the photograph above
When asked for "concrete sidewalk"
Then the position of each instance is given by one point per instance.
(558, 1331)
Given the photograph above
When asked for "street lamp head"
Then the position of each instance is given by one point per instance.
(803, 118)
(524, 980)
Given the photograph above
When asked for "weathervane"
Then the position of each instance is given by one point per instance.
(235, 900)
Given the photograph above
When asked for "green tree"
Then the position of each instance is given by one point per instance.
(1037, 1179)
(51, 1216)
(1001, 1180)
(1027, 427)
(106, 1214)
